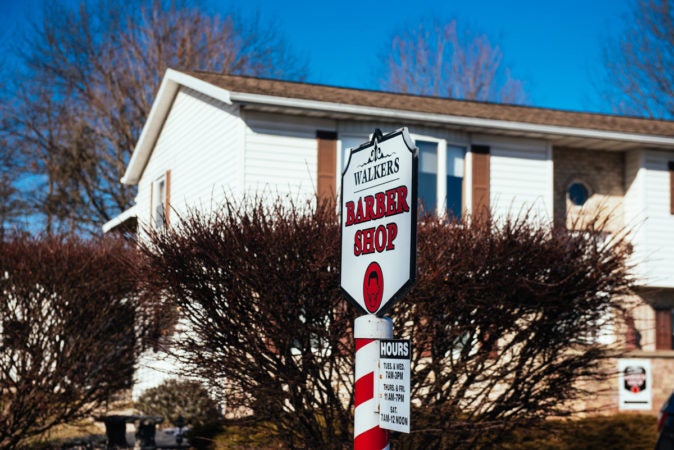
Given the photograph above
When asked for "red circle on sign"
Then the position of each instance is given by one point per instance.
(373, 287)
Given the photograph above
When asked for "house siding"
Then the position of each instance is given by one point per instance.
(658, 230)
(281, 154)
(520, 179)
(200, 143)
(635, 211)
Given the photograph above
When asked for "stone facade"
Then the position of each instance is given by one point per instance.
(603, 173)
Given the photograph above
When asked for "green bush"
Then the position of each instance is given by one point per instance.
(174, 398)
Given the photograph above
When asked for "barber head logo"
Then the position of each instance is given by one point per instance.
(373, 287)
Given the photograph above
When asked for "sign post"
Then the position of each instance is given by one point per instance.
(378, 265)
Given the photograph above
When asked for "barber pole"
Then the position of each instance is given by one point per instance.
(368, 330)
(379, 235)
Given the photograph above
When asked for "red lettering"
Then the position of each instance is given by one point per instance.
(377, 239)
(392, 231)
(402, 199)
(359, 211)
(381, 204)
(390, 202)
(350, 216)
(368, 238)
(369, 210)
(380, 239)
(358, 243)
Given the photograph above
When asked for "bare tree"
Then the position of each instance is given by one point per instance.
(510, 323)
(71, 330)
(10, 202)
(504, 320)
(90, 74)
(267, 325)
(637, 77)
(440, 59)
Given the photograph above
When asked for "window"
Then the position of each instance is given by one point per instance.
(578, 193)
(441, 171)
(160, 201)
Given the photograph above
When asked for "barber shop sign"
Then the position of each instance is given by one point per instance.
(378, 221)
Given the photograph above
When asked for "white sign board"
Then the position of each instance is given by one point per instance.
(394, 384)
(635, 384)
(379, 221)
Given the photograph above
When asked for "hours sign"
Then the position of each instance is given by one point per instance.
(378, 221)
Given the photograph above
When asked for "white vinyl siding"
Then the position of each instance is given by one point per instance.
(658, 229)
(201, 142)
(521, 181)
(635, 211)
(281, 155)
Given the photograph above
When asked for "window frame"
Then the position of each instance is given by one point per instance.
(441, 171)
(582, 183)
(159, 197)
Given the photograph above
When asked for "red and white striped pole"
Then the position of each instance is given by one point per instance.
(367, 331)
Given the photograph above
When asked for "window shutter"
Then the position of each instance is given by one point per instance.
(480, 172)
(167, 202)
(326, 186)
(670, 166)
(632, 335)
(663, 329)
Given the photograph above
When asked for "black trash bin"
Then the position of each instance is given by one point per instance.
(146, 430)
(115, 430)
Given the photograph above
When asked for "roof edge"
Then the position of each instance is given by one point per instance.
(648, 139)
(120, 219)
(161, 106)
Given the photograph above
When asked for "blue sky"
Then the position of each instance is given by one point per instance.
(554, 47)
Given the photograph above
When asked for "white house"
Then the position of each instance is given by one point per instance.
(211, 135)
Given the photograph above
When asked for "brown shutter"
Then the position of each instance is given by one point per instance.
(167, 203)
(632, 335)
(326, 186)
(663, 329)
(480, 177)
(671, 186)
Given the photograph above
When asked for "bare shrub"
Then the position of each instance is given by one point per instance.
(504, 319)
(70, 330)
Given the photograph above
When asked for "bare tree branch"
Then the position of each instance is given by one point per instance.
(71, 330)
(90, 76)
(637, 78)
(504, 319)
(439, 59)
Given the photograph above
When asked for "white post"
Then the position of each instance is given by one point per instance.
(367, 331)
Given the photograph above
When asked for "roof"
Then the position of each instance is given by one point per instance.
(125, 220)
(435, 105)
(562, 128)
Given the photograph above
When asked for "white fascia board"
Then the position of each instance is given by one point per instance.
(120, 219)
(160, 109)
(450, 119)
